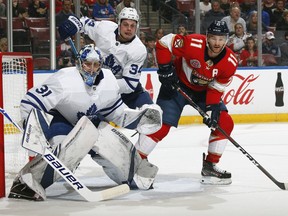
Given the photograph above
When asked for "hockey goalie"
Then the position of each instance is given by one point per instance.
(70, 112)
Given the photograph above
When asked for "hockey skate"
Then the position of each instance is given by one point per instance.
(212, 175)
(22, 191)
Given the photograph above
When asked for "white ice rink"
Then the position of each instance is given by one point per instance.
(177, 190)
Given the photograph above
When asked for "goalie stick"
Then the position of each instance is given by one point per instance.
(283, 186)
(66, 174)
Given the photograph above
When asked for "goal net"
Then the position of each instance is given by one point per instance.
(16, 78)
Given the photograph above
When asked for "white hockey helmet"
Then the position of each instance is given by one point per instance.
(128, 13)
(90, 63)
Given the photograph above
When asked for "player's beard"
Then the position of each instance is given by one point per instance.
(212, 51)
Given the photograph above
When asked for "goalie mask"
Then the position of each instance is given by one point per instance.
(90, 63)
(217, 35)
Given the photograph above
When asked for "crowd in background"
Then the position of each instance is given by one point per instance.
(240, 16)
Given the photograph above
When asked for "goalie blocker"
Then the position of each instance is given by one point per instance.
(110, 148)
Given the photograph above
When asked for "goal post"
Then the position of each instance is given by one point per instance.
(16, 78)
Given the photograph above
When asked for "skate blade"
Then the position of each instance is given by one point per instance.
(208, 180)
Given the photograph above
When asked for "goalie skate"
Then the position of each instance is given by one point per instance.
(212, 175)
(22, 191)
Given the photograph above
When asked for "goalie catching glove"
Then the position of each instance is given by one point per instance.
(213, 113)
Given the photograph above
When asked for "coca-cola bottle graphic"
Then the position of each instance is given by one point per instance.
(149, 86)
(279, 91)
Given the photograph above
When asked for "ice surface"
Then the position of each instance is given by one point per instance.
(177, 190)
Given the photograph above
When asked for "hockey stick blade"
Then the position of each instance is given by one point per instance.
(74, 182)
(281, 185)
(65, 173)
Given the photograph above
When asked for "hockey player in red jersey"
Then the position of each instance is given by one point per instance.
(202, 67)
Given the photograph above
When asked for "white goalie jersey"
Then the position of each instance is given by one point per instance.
(66, 93)
(125, 60)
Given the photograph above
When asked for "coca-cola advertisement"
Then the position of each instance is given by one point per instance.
(250, 92)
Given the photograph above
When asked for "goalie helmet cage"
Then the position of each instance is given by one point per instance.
(16, 78)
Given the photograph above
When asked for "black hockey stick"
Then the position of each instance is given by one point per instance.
(283, 186)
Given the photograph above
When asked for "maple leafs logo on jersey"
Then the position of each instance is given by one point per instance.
(111, 63)
(91, 113)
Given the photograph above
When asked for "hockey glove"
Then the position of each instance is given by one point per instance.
(168, 76)
(70, 27)
(213, 113)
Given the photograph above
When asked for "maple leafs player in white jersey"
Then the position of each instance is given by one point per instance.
(123, 52)
(68, 95)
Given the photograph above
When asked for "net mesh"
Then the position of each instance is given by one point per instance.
(14, 71)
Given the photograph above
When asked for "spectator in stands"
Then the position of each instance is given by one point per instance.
(125, 3)
(234, 18)
(64, 61)
(282, 24)
(150, 61)
(4, 44)
(37, 9)
(182, 30)
(268, 46)
(58, 6)
(65, 12)
(84, 8)
(114, 3)
(15, 8)
(249, 56)
(65, 47)
(268, 5)
(252, 24)
(225, 6)
(204, 7)
(142, 37)
(277, 12)
(246, 7)
(237, 41)
(103, 10)
(22, 13)
(2, 9)
(215, 13)
(159, 33)
(265, 17)
(284, 51)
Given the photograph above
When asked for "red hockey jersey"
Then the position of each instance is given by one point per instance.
(194, 67)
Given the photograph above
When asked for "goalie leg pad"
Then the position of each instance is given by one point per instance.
(119, 158)
(70, 149)
(144, 176)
